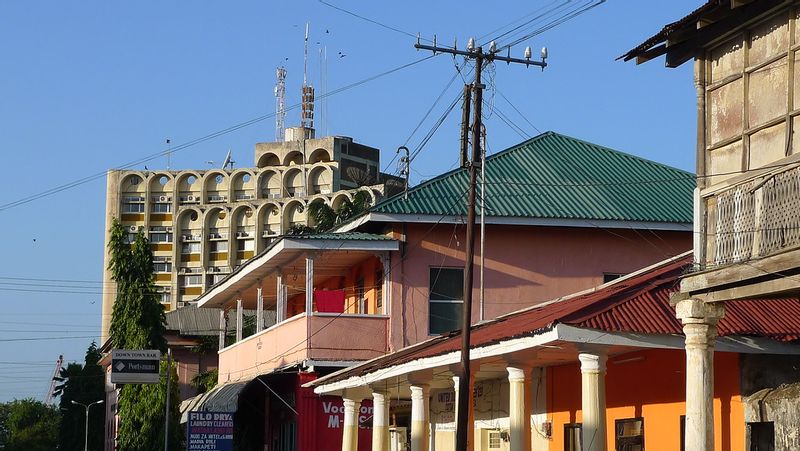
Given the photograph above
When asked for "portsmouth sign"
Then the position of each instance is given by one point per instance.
(139, 366)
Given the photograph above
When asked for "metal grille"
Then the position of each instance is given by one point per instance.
(754, 219)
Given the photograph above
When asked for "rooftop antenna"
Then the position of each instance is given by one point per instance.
(307, 111)
(323, 81)
(280, 104)
(169, 151)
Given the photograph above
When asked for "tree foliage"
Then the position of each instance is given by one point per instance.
(137, 322)
(84, 384)
(324, 217)
(28, 425)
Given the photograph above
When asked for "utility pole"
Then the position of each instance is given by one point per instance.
(479, 56)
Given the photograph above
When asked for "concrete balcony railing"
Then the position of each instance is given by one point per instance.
(332, 337)
(752, 219)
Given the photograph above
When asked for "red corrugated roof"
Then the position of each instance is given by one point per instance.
(638, 304)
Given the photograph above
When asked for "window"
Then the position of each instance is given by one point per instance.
(762, 436)
(629, 434)
(244, 245)
(361, 300)
(161, 208)
(572, 437)
(160, 236)
(162, 267)
(193, 280)
(133, 207)
(379, 290)
(495, 441)
(165, 294)
(446, 298)
(190, 248)
(218, 246)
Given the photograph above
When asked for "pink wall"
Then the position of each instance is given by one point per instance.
(524, 266)
(333, 337)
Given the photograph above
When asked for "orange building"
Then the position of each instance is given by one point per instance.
(602, 369)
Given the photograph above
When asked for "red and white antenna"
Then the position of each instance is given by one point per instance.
(307, 103)
(49, 398)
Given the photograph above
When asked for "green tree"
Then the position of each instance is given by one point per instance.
(137, 322)
(28, 425)
(324, 217)
(84, 384)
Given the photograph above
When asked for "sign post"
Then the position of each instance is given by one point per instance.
(135, 366)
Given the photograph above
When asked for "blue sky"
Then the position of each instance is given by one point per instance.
(92, 85)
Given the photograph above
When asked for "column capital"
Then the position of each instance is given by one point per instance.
(518, 372)
(696, 311)
(593, 361)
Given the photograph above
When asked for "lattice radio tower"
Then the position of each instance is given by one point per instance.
(280, 104)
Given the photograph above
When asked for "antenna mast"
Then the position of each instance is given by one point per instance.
(49, 398)
(307, 114)
(280, 104)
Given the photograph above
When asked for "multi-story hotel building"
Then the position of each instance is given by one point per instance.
(204, 223)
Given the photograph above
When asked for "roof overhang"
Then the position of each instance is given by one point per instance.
(284, 253)
(566, 338)
(520, 221)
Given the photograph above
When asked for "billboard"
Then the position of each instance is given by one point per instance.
(209, 431)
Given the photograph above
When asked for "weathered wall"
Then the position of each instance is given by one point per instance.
(771, 384)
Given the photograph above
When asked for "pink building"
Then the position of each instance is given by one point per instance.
(562, 215)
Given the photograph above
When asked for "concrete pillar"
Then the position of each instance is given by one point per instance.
(280, 292)
(239, 320)
(380, 421)
(471, 419)
(420, 417)
(593, 400)
(519, 407)
(352, 407)
(387, 286)
(700, 327)
(309, 284)
(222, 327)
(259, 308)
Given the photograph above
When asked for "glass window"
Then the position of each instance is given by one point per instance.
(629, 434)
(572, 437)
(245, 245)
(132, 208)
(446, 298)
(218, 246)
(160, 237)
(192, 280)
(162, 267)
(161, 208)
(190, 248)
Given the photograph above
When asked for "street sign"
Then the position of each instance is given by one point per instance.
(210, 431)
(135, 366)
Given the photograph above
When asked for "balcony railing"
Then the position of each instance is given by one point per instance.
(320, 336)
(754, 219)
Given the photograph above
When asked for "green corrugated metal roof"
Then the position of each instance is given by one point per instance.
(560, 177)
(341, 236)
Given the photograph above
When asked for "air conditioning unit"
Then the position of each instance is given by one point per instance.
(211, 269)
(169, 229)
(191, 198)
(184, 270)
(163, 198)
(241, 234)
(275, 195)
(181, 304)
(133, 228)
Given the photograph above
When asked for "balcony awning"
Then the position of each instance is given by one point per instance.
(338, 250)
(222, 398)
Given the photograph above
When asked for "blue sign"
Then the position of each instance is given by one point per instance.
(209, 431)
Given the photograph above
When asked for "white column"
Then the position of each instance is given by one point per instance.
(700, 327)
(593, 400)
(519, 407)
(222, 327)
(380, 421)
(259, 308)
(280, 299)
(309, 284)
(471, 418)
(350, 426)
(239, 320)
(420, 417)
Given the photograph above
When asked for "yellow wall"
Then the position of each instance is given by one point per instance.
(649, 384)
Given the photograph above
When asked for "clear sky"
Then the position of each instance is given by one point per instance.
(87, 86)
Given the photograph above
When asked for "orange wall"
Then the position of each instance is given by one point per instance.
(652, 385)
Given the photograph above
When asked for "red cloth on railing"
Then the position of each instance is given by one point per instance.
(329, 301)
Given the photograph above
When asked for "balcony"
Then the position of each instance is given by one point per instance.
(323, 293)
(318, 337)
(750, 231)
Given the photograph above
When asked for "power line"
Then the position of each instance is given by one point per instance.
(372, 21)
(197, 141)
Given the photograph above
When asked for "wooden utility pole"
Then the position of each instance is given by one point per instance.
(477, 54)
